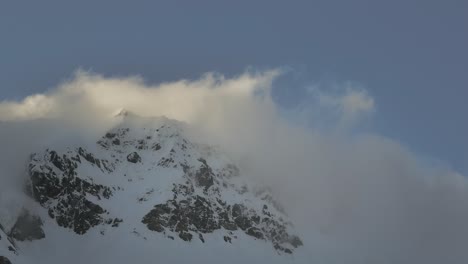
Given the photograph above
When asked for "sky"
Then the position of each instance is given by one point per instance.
(409, 56)
(365, 100)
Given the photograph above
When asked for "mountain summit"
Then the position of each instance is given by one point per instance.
(144, 192)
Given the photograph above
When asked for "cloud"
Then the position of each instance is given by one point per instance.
(355, 197)
(351, 104)
(102, 96)
(30, 108)
(341, 106)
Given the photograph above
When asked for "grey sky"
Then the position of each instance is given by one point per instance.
(411, 56)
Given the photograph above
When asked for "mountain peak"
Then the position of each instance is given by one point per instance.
(122, 112)
(145, 183)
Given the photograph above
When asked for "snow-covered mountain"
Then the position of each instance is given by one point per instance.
(146, 193)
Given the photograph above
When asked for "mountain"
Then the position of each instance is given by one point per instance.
(144, 192)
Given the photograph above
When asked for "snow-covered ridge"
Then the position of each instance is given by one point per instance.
(145, 178)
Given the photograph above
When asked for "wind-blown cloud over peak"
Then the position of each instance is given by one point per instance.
(90, 93)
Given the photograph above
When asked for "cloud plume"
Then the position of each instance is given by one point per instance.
(356, 198)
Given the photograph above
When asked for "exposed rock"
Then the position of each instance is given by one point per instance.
(116, 222)
(237, 210)
(153, 219)
(243, 222)
(185, 236)
(141, 144)
(156, 147)
(27, 227)
(88, 156)
(204, 175)
(200, 236)
(255, 232)
(78, 214)
(133, 157)
(110, 135)
(200, 215)
(116, 141)
(8, 242)
(71, 208)
(295, 241)
(4, 260)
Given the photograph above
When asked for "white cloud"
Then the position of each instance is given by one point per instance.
(31, 107)
(352, 103)
(337, 107)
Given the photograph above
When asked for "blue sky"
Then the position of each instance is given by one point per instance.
(410, 56)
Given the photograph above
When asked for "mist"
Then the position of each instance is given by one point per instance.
(353, 195)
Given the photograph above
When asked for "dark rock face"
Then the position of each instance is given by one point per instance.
(4, 260)
(255, 232)
(116, 222)
(10, 243)
(110, 135)
(187, 215)
(204, 175)
(296, 242)
(156, 147)
(27, 227)
(200, 236)
(77, 213)
(133, 157)
(116, 141)
(185, 236)
(199, 215)
(64, 193)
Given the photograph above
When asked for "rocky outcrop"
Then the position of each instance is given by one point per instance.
(27, 227)
(6, 242)
(204, 175)
(198, 215)
(4, 260)
(56, 185)
(133, 157)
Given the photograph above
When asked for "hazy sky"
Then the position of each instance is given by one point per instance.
(410, 56)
